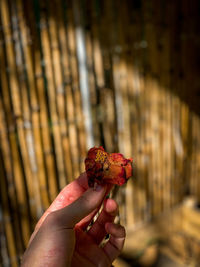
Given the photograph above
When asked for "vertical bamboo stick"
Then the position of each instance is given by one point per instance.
(195, 157)
(185, 110)
(132, 76)
(99, 83)
(105, 108)
(139, 60)
(36, 80)
(9, 230)
(70, 103)
(82, 70)
(198, 158)
(40, 184)
(5, 145)
(64, 61)
(179, 152)
(164, 46)
(35, 108)
(92, 86)
(189, 73)
(18, 172)
(59, 84)
(176, 138)
(4, 258)
(155, 148)
(107, 94)
(143, 45)
(122, 94)
(46, 48)
(75, 86)
(153, 124)
(192, 174)
(27, 133)
(134, 94)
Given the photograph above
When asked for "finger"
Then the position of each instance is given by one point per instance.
(83, 224)
(69, 194)
(84, 205)
(79, 260)
(108, 214)
(116, 242)
(93, 253)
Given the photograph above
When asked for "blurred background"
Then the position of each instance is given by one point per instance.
(121, 74)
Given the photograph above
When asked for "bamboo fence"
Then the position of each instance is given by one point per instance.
(74, 74)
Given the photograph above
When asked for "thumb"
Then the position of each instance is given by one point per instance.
(80, 208)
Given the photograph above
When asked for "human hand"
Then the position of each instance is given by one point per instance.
(60, 237)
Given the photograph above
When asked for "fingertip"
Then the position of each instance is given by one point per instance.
(115, 230)
(111, 206)
(108, 226)
(116, 241)
(88, 202)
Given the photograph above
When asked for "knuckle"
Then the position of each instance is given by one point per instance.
(123, 231)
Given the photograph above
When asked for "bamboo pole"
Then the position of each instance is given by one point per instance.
(79, 119)
(198, 159)
(92, 87)
(65, 70)
(134, 191)
(122, 95)
(189, 75)
(70, 110)
(18, 172)
(99, 82)
(6, 151)
(147, 44)
(70, 103)
(175, 107)
(107, 45)
(153, 126)
(127, 102)
(195, 157)
(46, 49)
(165, 81)
(143, 95)
(35, 108)
(104, 92)
(36, 81)
(58, 79)
(27, 133)
(7, 157)
(7, 214)
(160, 103)
(131, 77)
(4, 258)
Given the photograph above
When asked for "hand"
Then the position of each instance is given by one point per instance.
(60, 237)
